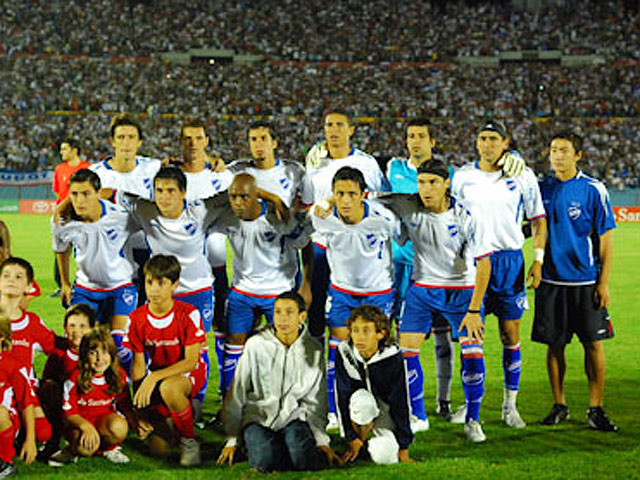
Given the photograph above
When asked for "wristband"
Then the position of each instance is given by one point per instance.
(538, 255)
(473, 311)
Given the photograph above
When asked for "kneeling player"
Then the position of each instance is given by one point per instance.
(371, 389)
(277, 401)
(78, 320)
(170, 334)
(94, 398)
(15, 394)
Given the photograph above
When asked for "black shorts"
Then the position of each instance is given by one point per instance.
(563, 310)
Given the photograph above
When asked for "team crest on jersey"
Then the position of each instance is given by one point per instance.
(190, 228)
(128, 298)
(511, 184)
(371, 239)
(285, 184)
(146, 182)
(111, 234)
(453, 230)
(574, 211)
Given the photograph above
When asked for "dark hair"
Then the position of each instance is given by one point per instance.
(339, 111)
(81, 309)
(21, 262)
(86, 175)
(295, 296)
(574, 138)
(497, 126)
(352, 174)
(163, 266)
(72, 142)
(434, 167)
(372, 313)
(419, 122)
(172, 173)
(124, 119)
(90, 341)
(261, 124)
(194, 123)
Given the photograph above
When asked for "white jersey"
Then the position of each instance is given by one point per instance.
(206, 183)
(98, 248)
(265, 251)
(284, 179)
(445, 244)
(359, 255)
(500, 202)
(138, 181)
(184, 237)
(318, 180)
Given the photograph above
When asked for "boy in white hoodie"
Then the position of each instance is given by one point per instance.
(277, 402)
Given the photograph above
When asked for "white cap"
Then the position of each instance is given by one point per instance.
(363, 407)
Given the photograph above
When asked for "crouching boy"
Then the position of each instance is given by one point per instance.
(371, 390)
(170, 333)
(277, 402)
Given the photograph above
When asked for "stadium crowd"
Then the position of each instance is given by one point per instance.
(293, 95)
(377, 31)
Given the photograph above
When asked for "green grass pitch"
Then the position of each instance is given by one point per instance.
(567, 451)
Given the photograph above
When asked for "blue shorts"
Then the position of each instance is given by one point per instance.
(244, 309)
(107, 303)
(203, 300)
(340, 304)
(506, 296)
(423, 306)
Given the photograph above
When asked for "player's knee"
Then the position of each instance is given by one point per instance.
(159, 447)
(5, 419)
(117, 428)
(173, 391)
(383, 450)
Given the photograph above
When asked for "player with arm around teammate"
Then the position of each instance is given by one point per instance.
(450, 276)
(501, 202)
(573, 295)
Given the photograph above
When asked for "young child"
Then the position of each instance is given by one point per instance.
(94, 396)
(371, 389)
(170, 334)
(78, 320)
(29, 333)
(16, 395)
(277, 401)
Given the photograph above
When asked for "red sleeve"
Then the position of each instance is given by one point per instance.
(70, 396)
(45, 337)
(133, 340)
(193, 324)
(22, 390)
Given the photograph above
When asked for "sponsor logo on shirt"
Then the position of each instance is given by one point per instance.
(163, 343)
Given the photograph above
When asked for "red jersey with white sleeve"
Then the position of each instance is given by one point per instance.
(164, 339)
(29, 335)
(16, 393)
(95, 403)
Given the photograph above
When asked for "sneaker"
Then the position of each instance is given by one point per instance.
(115, 455)
(512, 418)
(459, 417)
(62, 458)
(7, 469)
(598, 420)
(189, 452)
(559, 413)
(419, 424)
(443, 409)
(49, 448)
(332, 422)
(474, 432)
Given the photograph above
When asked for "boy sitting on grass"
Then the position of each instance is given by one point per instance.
(371, 390)
(277, 401)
